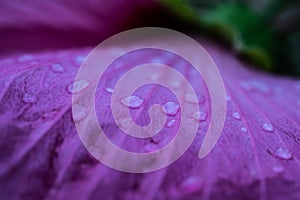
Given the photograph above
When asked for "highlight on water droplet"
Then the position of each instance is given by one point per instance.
(244, 129)
(236, 115)
(78, 86)
(58, 68)
(191, 185)
(200, 116)
(283, 153)
(171, 108)
(132, 101)
(109, 89)
(268, 127)
(171, 123)
(29, 98)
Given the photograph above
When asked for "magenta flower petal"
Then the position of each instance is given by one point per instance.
(257, 156)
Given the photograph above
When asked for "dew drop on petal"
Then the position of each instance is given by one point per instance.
(278, 169)
(171, 108)
(236, 115)
(77, 86)
(171, 123)
(79, 112)
(268, 127)
(58, 68)
(109, 89)
(79, 59)
(29, 98)
(191, 185)
(244, 129)
(132, 101)
(200, 115)
(283, 153)
(228, 98)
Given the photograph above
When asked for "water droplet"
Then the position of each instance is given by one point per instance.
(236, 115)
(191, 185)
(171, 123)
(79, 112)
(278, 169)
(29, 98)
(171, 108)
(78, 86)
(79, 59)
(194, 99)
(283, 153)
(244, 129)
(109, 89)
(228, 98)
(151, 147)
(260, 86)
(200, 115)
(25, 58)
(268, 127)
(132, 101)
(58, 68)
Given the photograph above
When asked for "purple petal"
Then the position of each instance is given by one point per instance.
(257, 156)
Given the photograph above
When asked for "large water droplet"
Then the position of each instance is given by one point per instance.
(58, 68)
(171, 108)
(200, 115)
(132, 101)
(268, 127)
(236, 115)
(78, 86)
(283, 153)
(191, 185)
(171, 123)
(29, 98)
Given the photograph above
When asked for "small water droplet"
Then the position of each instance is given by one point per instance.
(228, 98)
(79, 59)
(236, 115)
(109, 89)
(78, 86)
(29, 98)
(171, 108)
(171, 123)
(278, 169)
(79, 112)
(191, 185)
(194, 99)
(58, 68)
(268, 127)
(132, 101)
(200, 115)
(151, 147)
(25, 58)
(244, 129)
(283, 153)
